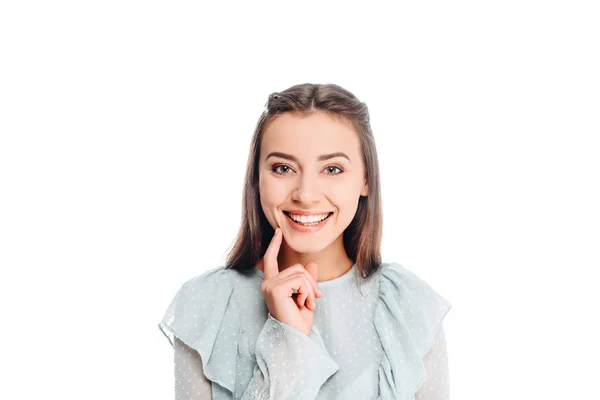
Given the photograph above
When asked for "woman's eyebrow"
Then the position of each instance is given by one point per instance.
(322, 157)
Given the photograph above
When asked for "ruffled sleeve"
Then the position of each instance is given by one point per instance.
(437, 386)
(290, 365)
(408, 315)
(203, 316)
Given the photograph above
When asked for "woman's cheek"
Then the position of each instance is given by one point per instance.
(341, 193)
(269, 202)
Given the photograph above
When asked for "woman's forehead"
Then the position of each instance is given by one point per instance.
(317, 133)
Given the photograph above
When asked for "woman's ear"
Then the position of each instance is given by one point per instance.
(365, 190)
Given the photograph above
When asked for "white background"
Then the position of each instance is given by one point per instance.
(125, 128)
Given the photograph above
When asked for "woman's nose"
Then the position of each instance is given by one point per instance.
(308, 190)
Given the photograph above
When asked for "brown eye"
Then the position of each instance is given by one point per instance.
(275, 169)
(334, 168)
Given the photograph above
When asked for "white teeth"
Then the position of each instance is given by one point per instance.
(308, 218)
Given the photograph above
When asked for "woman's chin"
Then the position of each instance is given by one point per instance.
(304, 248)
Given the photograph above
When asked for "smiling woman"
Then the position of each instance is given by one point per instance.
(307, 185)
(304, 307)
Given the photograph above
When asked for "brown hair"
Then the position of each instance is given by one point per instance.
(362, 238)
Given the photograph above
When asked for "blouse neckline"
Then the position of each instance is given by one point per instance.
(329, 283)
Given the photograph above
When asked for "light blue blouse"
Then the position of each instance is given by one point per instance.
(368, 340)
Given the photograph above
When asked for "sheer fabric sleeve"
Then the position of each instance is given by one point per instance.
(190, 382)
(290, 365)
(408, 316)
(437, 385)
(204, 316)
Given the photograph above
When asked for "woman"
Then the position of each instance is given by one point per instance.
(283, 319)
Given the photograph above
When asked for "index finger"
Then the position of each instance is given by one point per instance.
(271, 268)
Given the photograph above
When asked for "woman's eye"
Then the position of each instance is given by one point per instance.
(334, 168)
(275, 169)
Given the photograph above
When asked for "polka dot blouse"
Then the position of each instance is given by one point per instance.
(375, 338)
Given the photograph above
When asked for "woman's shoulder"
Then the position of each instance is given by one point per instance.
(402, 277)
(212, 288)
(215, 275)
(199, 296)
(393, 276)
(217, 279)
(406, 295)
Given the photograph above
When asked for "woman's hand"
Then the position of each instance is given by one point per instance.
(278, 289)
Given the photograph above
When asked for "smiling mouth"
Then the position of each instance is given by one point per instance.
(308, 223)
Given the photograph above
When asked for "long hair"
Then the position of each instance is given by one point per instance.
(362, 238)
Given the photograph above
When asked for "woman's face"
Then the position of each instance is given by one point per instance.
(293, 176)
